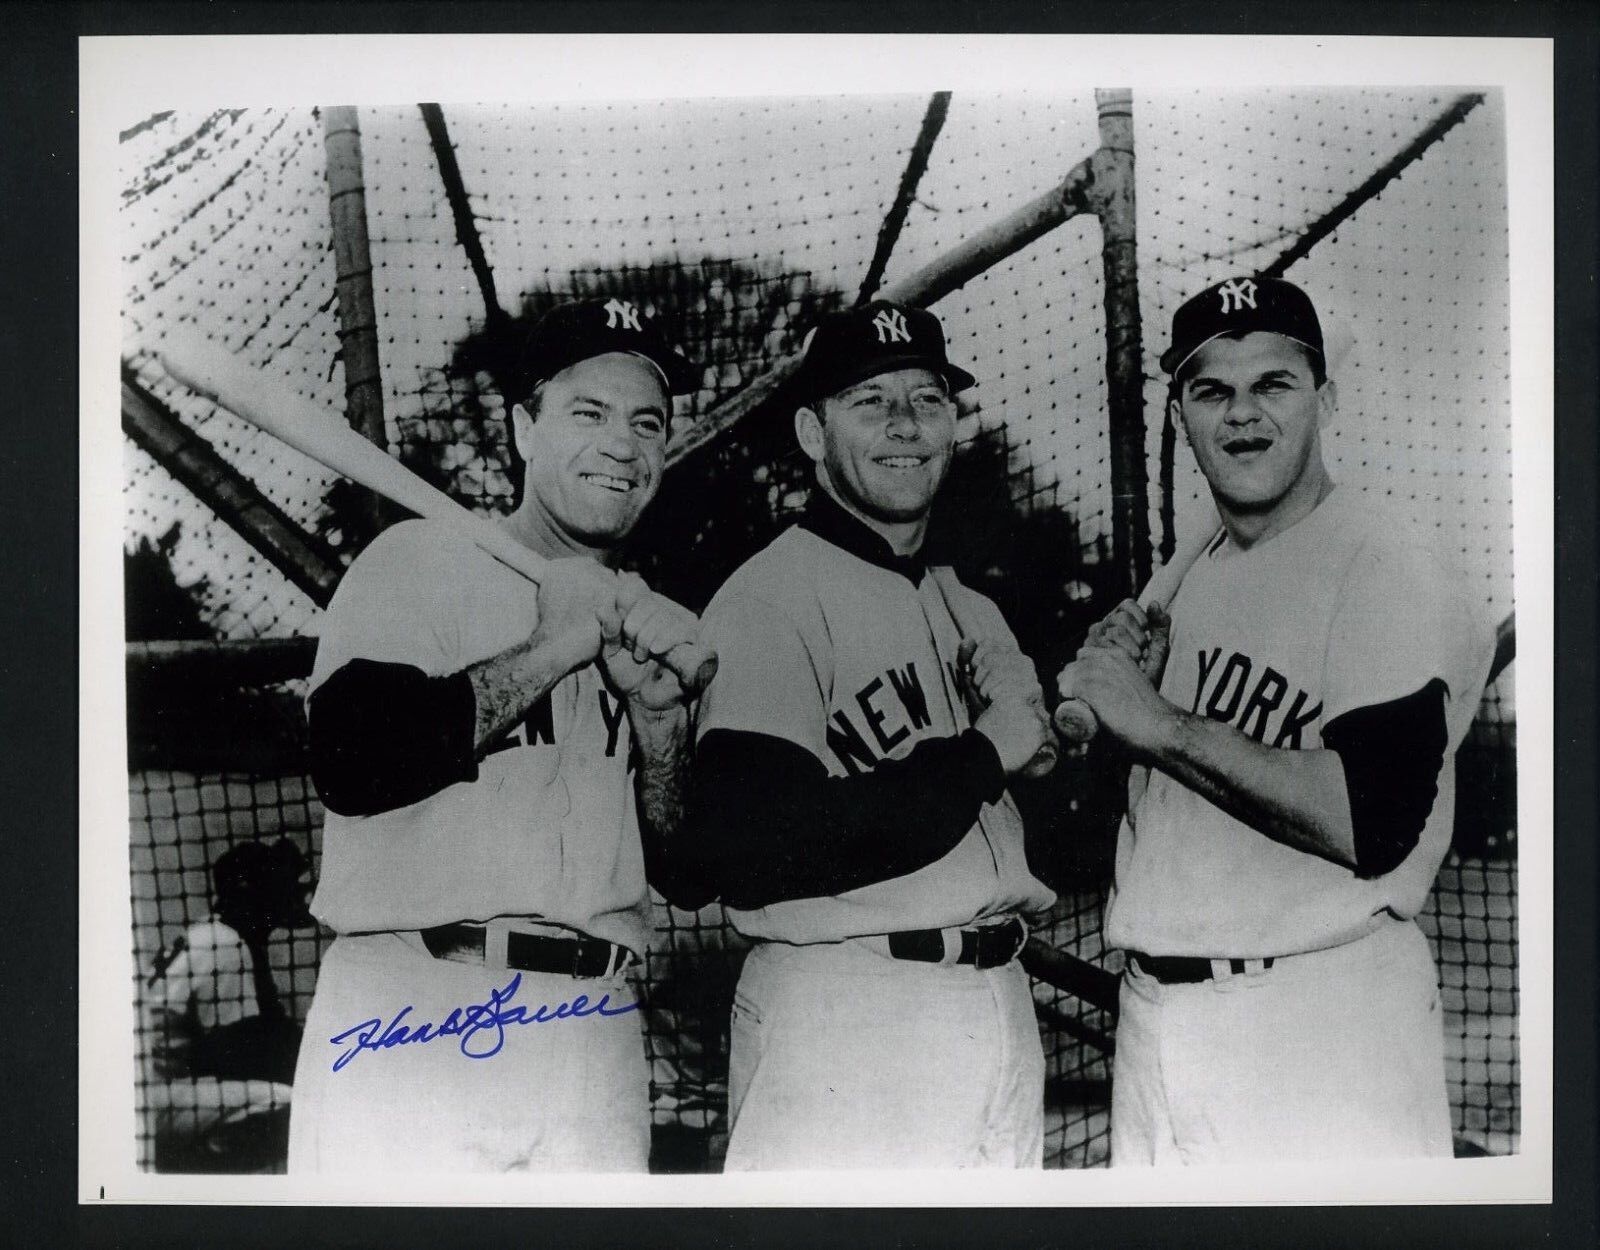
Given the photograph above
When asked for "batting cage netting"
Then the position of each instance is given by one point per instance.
(384, 262)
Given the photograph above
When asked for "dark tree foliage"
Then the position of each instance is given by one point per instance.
(173, 719)
(154, 604)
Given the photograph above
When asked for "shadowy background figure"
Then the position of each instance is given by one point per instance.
(223, 1042)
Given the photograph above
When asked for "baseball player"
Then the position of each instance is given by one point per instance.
(851, 788)
(501, 763)
(1293, 726)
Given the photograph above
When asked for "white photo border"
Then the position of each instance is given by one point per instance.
(125, 78)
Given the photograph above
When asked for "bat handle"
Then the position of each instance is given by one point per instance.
(1044, 758)
(694, 664)
(1075, 721)
(704, 670)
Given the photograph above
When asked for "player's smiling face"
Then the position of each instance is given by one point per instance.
(597, 448)
(885, 443)
(1253, 412)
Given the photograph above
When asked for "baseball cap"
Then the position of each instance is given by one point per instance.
(1237, 305)
(580, 329)
(859, 343)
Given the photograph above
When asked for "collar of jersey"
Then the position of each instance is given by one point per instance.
(828, 520)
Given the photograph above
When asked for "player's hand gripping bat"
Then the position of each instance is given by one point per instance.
(1044, 759)
(217, 374)
(1074, 719)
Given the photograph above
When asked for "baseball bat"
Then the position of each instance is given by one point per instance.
(221, 377)
(1074, 719)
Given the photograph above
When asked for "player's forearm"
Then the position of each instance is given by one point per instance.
(505, 686)
(664, 743)
(664, 749)
(1294, 797)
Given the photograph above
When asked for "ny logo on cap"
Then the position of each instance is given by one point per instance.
(619, 312)
(890, 324)
(1236, 293)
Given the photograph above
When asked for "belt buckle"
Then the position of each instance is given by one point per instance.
(617, 957)
(1012, 927)
(1019, 938)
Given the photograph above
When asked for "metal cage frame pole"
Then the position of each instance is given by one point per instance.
(1112, 197)
(358, 320)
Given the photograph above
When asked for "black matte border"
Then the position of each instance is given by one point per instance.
(38, 659)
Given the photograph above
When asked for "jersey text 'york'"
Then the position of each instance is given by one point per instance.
(1238, 692)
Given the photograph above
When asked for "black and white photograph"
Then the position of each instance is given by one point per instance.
(964, 613)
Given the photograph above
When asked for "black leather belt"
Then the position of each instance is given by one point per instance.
(1188, 969)
(529, 952)
(992, 946)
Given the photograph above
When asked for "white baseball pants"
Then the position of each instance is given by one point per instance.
(1337, 1054)
(563, 1095)
(844, 1057)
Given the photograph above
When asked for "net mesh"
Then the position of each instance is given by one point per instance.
(739, 222)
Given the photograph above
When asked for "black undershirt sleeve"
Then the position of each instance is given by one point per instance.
(770, 824)
(387, 735)
(1392, 753)
(685, 880)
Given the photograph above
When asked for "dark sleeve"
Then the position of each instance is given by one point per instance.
(1392, 753)
(387, 735)
(771, 824)
(684, 880)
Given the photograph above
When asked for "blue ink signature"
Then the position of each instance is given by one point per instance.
(470, 1024)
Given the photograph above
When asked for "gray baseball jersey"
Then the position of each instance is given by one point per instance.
(1344, 610)
(856, 664)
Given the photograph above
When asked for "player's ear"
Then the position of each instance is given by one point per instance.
(808, 430)
(1175, 411)
(1327, 402)
(522, 431)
